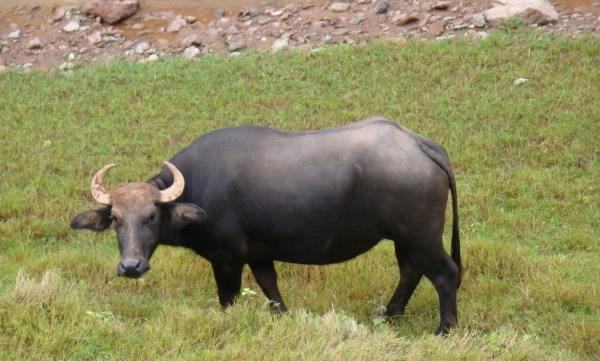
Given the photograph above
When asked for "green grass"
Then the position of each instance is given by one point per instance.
(527, 163)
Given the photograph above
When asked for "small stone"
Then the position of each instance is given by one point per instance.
(280, 44)
(34, 43)
(71, 57)
(137, 26)
(437, 28)
(72, 26)
(440, 5)
(478, 20)
(191, 52)
(520, 81)
(403, 19)
(326, 39)
(276, 13)
(15, 34)
(176, 25)
(263, 20)
(142, 47)
(219, 13)
(381, 7)
(190, 19)
(339, 7)
(62, 12)
(2, 68)
(236, 44)
(152, 58)
(190, 40)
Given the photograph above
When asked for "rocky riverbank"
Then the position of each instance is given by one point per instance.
(69, 36)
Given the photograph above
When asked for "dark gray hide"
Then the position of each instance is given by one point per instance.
(312, 198)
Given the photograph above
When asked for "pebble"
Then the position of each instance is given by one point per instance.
(72, 26)
(339, 7)
(191, 52)
(142, 47)
(176, 25)
(138, 26)
(381, 7)
(15, 34)
(437, 28)
(280, 44)
(236, 44)
(520, 81)
(403, 19)
(71, 57)
(152, 58)
(34, 43)
(440, 5)
(478, 20)
(219, 13)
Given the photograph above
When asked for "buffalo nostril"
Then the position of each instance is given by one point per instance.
(130, 264)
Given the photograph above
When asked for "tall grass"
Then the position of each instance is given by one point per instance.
(526, 160)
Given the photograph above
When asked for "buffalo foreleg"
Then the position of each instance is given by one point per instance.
(229, 281)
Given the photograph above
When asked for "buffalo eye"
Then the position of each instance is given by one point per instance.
(116, 221)
(150, 218)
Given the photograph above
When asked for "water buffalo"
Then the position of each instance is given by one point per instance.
(254, 195)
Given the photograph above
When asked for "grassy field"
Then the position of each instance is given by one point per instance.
(527, 163)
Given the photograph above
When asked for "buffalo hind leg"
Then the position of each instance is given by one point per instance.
(229, 282)
(409, 279)
(443, 273)
(266, 277)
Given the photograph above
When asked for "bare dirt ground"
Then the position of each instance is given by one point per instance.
(50, 34)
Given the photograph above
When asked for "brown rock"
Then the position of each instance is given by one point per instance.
(176, 25)
(403, 19)
(437, 28)
(441, 5)
(112, 11)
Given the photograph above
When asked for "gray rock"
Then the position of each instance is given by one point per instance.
(176, 25)
(520, 81)
(142, 47)
(63, 12)
(112, 11)
(72, 26)
(34, 43)
(478, 20)
(236, 44)
(280, 44)
(381, 7)
(191, 52)
(339, 7)
(219, 13)
(15, 34)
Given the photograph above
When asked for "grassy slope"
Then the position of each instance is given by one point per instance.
(528, 169)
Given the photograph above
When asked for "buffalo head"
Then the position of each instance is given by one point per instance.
(142, 216)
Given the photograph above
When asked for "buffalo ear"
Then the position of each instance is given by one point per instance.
(96, 220)
(183, 214)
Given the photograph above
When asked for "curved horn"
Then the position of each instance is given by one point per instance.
(175, 190)
(100, 194)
